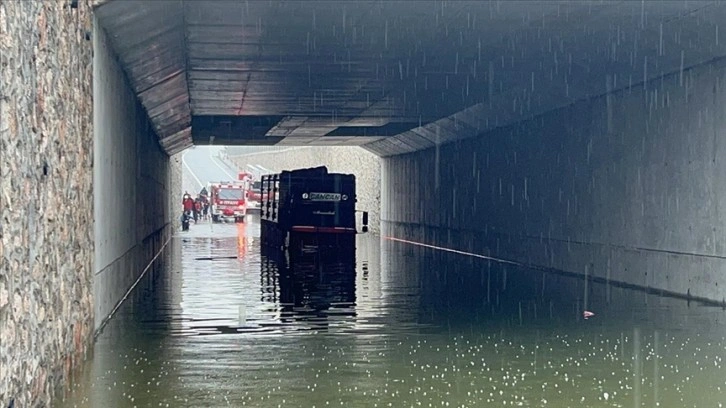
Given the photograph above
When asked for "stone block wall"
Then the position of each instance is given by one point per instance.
(627, 187)
(353, 160)
(46, 200)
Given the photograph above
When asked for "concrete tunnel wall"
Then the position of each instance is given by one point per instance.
(133, 179)
(629, 186)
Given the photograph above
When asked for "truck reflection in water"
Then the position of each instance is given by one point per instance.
(313, 290)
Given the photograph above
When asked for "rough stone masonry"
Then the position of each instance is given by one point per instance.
(46, 228)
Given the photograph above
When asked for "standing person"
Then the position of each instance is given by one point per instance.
(188, 203)
(204, 201)
(197, 209)
(185, 221)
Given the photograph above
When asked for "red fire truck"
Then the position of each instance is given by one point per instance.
(255, 196)
(228, 200)
(254, 193)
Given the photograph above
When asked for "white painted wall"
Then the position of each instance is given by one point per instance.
(114, 152)
(131, 179)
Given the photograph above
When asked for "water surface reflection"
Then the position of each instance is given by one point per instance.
(317, 289)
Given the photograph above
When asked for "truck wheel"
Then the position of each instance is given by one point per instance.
(240, 219)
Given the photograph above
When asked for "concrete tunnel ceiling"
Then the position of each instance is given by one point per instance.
(393, 77)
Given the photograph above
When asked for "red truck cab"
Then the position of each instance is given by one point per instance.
(228, 200)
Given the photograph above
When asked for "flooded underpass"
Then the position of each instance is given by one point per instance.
(220, 322)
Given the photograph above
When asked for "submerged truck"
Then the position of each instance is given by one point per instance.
(309, 210)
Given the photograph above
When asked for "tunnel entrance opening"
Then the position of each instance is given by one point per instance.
(215, 164)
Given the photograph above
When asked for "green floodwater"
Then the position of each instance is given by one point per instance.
(219, 323)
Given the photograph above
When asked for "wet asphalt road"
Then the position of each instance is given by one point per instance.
(201, 165)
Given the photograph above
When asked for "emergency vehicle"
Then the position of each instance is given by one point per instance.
(228, 200)
(254, 194)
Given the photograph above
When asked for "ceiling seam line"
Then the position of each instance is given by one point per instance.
(185, 46)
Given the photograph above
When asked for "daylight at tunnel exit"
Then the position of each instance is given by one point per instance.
(362, 203)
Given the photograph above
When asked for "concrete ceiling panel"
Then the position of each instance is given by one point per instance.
(458, 68)
(416, 141)
(148, 38)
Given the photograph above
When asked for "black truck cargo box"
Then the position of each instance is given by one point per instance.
(310, 205)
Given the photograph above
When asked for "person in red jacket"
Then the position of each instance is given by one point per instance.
(188, 203)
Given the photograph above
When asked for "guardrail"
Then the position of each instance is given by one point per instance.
(267, 149)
